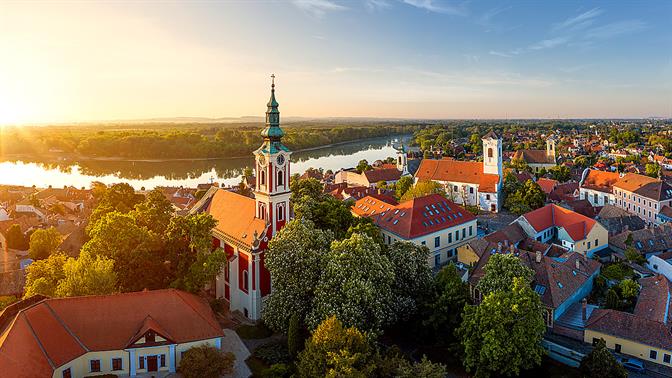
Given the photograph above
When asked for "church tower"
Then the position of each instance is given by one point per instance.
(492, 155)
(402, 161)
(550, 148)
(272, 170)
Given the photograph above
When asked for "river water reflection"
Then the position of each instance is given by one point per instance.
(183, 173)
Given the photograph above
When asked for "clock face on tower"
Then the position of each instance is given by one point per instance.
(281, 159)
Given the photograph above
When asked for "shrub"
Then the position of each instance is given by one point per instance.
(6, 301)
(257, 331)
(276, 371)
(205, 361)
(617, 271)
(273, 353)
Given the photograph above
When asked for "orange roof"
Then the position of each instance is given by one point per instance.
(576, 225)
(470, 172)
(547, 185)
(600, 180)
(421, 216)
(235, 215)
(372, 205)
(56, 331)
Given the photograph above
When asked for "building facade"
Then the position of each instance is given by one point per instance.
(430, 221)
(470, 183)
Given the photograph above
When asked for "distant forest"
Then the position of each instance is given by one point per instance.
(182, 141)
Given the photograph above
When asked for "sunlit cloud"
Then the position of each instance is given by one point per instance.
(436, 7)
(318, 8)
(580, 21)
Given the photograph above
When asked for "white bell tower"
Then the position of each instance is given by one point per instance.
(492, 154)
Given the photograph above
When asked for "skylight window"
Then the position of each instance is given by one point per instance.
(396, 211)
(395, 221)
(560, 284)
(540, 289)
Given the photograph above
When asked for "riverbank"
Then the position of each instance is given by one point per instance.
(74, 158)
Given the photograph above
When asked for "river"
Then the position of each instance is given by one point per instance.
(186, 173)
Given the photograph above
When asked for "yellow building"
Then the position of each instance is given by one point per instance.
(645, 333)
(122, 334)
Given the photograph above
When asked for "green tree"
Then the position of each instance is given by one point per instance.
(560, 173)
(365, 226)
(601, 363)
(613, 300)
(652, 170)
(191, 260)
(44, 275)
(422, 189)
(154, 213)
(363, 165)
(402, 186)
(205, 361)
(327, 213)
(533, 196)
(503, 334)
(519, 165)
(632, 255)
(444, 307)
(629, 289)
(87, 275)
(16, 239)
(423, 369)
(309, 187)
(119, 197)
(44, 242)
(355, 286)
(295, 261)
(139, 263)
(412, 277)
(336, 351)
(294, 335)
(7, 300)
(500, 271)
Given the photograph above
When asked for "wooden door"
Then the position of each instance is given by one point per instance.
(152, 364)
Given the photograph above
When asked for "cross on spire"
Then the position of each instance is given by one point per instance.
(272, 80)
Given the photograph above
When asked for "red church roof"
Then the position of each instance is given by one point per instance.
(235, 216)
(576, 225)
(421, 216)
(470, 172)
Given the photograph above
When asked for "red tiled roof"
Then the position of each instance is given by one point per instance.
(653, 300)
(631, 327)
(645, 186)
(470, 172)
(534, 157)
(600, 180)
(382, 174)
(235, 216)
(576, 225)
(421, 216)
(373, 204)
(547, 185)
(55, 331)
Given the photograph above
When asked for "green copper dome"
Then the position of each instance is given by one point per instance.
(272, 130)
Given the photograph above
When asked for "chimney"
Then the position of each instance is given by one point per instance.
(499, 247)
(584, 308)
(538, 256)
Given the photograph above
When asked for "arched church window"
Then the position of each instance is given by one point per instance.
(246, 285)
(281, 177)
(262, 178)
(281, 212)
(490, 152)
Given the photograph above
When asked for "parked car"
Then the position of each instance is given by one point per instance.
(633, 364)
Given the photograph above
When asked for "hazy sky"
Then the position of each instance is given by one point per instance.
(82, 61)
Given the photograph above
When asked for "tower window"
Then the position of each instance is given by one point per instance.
(262, 177)
(246, 276)
(281, 213)
(490, 152)
(281, 177)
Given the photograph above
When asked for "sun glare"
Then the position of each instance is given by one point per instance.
(11, 112)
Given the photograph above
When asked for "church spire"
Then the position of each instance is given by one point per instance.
(272, 130)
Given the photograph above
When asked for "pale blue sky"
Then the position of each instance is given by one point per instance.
(381, 58)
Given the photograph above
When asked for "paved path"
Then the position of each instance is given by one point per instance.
(232, 343)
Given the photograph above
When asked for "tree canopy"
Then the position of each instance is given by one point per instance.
(601, 363)
(44, 242)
